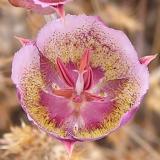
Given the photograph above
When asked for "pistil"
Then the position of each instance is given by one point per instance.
(79, 84)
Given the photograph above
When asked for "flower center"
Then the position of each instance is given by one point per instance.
(78, 89)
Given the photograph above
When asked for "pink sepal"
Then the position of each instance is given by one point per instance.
(23, 41)
(147, 59)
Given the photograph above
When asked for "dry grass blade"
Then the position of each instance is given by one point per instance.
(155, 155)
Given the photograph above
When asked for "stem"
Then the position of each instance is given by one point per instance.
(50, 17)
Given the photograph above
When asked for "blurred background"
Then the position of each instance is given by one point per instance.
(140, 139)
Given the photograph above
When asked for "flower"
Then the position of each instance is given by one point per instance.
(81, 80)
(41, 6)
(47, 3)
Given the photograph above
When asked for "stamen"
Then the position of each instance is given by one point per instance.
(93, 97)
(84, 81)
(64, 73)
(89, 79)
(84, 64)
(67, 93)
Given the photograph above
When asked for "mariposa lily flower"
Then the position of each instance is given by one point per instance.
(41, 6)
(81, 80)
(47, 3)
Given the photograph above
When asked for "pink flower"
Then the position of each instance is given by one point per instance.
(81, 80)
(47, 3)
(41, 6)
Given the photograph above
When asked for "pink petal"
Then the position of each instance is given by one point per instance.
(58, 108)
(29, 4)
(57, 4)
(26, 74)
(94, 114)
(24, 59)
(128, 116)
(83, 32)
(49, 72)
(112, 86)
(47, 3)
